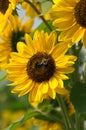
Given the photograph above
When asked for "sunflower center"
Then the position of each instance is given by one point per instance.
(16, 37)
(80, 13)
(4, 6)
(41, 67)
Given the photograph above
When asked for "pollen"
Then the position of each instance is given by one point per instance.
(80, 13)
(41, 67)
(4, 6)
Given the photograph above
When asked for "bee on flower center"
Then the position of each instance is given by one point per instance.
(41, 67)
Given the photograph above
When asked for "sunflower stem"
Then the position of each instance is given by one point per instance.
(66, 118)
(82, 122)
(76, 51)
(79, 121)
(50, 116)
(38, 12)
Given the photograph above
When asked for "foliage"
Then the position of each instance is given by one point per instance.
(67, 111)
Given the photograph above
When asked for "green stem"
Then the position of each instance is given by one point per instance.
(76, 52)
(79, 121)
(66, 118)
(50, 116)
(38, 12)
(82, 122)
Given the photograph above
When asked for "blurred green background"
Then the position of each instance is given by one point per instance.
(13, 108)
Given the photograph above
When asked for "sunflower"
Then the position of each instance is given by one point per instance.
(5, 11)
(6, 8)
(39, 67)
(15, 2)
(5, 50)
(69, 105)
(70, 18)
(29, 10)
(13, 33)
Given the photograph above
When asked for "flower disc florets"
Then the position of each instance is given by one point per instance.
(41, 67)
(80, 13)
(4, 6)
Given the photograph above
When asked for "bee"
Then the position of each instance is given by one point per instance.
(42, 63)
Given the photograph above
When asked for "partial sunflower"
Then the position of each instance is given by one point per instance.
(5, 11)
(39, 67)
(69, 105)
(29, 10)
(5, 50)
(15, 2)
(70, 18)
(14, 32)
(6, 8)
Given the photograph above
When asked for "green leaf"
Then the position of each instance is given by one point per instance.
(21, 121)
(78, 97)
(41, 1)
(46, 6)
(43, 26)
(33, 113)
(3, 75)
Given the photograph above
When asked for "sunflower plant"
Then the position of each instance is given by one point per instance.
(43, 65)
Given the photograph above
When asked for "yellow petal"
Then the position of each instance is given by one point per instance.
(84, 39)
(44, 87)
(53, 83)
(61, 76)
(60, 83)
(71, 3)
(60, 49)
(64, 24)
(13, 22)
(11, 70)
(13, 75)
(39, 41)
(50, 42)
(66, 70)
(61, 91)
(64, 61)
(26, 85)
(52, 93)
(35, 94)
(65, 3)
(29, 43)
(20, 47)
(60, 2)
(28, 25)
(69, 33)
(28, 88)
(18, 81)
(18, 58)
(78, 35)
